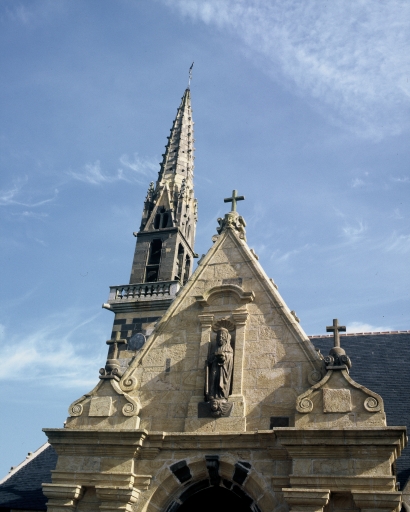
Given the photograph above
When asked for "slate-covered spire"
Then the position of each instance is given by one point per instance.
(170, 209)
(178, 159)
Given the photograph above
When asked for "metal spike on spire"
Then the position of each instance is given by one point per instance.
(190, 75)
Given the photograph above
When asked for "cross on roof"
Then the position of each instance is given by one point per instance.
(234, 199)
(113, 344)
(336, 328)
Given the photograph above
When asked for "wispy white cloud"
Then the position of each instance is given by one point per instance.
(355, 327)
(13, 196)
(32, 215)
(398, 243)
(50, 355)
(397, 214)
(33, 13)
(350, 56)
(353, 232)
(144, 166)
(357, 182)
(93, 174)
(400, 179)
(284, 257)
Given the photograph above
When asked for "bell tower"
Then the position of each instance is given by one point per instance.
(165, 241)
(164, 251)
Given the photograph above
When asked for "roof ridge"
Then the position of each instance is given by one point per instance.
(31, 456)
(357, 334)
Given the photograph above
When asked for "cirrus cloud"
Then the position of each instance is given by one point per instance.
(350, 58)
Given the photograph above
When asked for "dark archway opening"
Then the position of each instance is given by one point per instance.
(216, 499)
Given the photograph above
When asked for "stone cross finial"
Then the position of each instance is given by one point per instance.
(337, 358)
(336, 328)
(113, 344)
(234, 199)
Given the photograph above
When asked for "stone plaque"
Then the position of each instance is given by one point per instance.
(136, 341)
(336, 400)
(101, 406)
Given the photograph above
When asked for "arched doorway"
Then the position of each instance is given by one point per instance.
(217, 499)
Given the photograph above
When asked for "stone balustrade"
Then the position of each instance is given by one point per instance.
(143, 291)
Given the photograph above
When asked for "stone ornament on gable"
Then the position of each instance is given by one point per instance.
(337, 391)
(233, 220)
(132, 406)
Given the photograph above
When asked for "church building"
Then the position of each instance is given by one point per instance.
(212, 396)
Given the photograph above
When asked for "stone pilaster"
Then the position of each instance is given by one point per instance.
(240, 323)
(306, 500)
(62, 498)
(206, 325)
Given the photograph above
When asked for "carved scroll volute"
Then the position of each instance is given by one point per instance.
(240, 319)
(206, 326)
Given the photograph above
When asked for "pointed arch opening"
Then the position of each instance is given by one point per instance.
(154, 260)
(164, 222)
(180, 262)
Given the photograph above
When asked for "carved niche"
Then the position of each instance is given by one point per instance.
(223, 338)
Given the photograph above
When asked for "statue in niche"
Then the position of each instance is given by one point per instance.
(219, 367)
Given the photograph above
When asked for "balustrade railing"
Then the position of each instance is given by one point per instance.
(141, 291)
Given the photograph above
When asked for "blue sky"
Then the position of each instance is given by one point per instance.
(301, 106)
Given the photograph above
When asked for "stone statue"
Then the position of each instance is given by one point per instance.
(219, 368)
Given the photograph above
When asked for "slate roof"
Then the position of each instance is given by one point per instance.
(21, 488)
(380, 361)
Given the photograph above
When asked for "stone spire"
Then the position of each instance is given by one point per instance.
(165, 241)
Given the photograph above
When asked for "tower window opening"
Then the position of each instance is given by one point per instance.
(157, 220)
(155, 252)
(151, 274)
(180, 261)
(187, 268)
(164, 223)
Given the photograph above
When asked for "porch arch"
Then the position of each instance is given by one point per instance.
(254, 492)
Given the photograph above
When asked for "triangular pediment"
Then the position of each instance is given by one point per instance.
(274, 361)
(163, 204)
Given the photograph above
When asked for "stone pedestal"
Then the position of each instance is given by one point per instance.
(235, 422)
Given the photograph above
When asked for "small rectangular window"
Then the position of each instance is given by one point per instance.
(279, 421)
